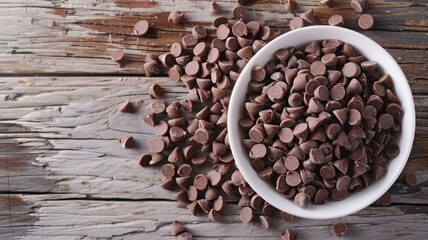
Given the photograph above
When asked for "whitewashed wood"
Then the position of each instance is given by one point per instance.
(63, 217)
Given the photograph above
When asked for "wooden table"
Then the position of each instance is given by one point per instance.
(64, 176)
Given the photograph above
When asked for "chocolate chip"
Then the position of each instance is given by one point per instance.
(386, 121)
(246, 215)
(290, 5)
(185, 236)
(239, 29)
(366, 21)
(336, 20)
(296, 22)
(287, 234)
(214, 216)
(411, 179)
(308, 16)
(176, 17)
(189, 41)
(219, 204)
(127, 107)
(256, 202)
(265, 221)
(192, 68)
(141, 28)
(239, 12)
(117, 56)
(155, 91)
(358, 5)
(385, 199)
(302, 200)
(339, 229)
(223, 32)
(177, 228)
(214, 8)
(199, 32)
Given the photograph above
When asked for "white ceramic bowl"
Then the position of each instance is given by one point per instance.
(356, 201)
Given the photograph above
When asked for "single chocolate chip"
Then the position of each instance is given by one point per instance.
(308, 16)
(214, 216)
(219, 204)
(385, 199)
(246, 215)
(302, 200)
(411, 179)
(176, 17)
(290, 5)
(366, 21)
(287, 234)
(296, 22)
(177, 228)
(318, 68)
(141, 28)
(265, 221)
(214, 8)
(185, 236)
(117, 56)
(175, 156)
(358, 5)
(293, 178)
(239, 12)
(155, 91)
(157, 145)
(386, 121)
(199, 32)
(339, 229)
(239, 29)
(336, 20)
(127, 107)
(168, 170)
(189, 41)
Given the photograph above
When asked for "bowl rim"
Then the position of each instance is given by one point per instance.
(259, 185)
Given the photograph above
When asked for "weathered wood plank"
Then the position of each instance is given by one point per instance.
(77, 37)
(63, 217)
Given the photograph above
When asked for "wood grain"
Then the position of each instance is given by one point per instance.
(63, 174)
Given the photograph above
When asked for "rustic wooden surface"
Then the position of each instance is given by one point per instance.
(62, 173)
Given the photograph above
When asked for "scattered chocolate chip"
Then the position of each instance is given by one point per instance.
(177, 228)
(117, 56)
(290, 5)
(214, 8)
(126, 142)
(296, 22)
(339, 229)
(365, 21)
(336, 20)
(185, 236)
(411, 179)
(126, 107)
(358, 5)
(176, 17)
(141, 28)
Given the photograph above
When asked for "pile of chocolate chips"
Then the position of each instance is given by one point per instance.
(319, 122)
(192, 132)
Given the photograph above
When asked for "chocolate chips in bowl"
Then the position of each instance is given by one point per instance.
(315, 124)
